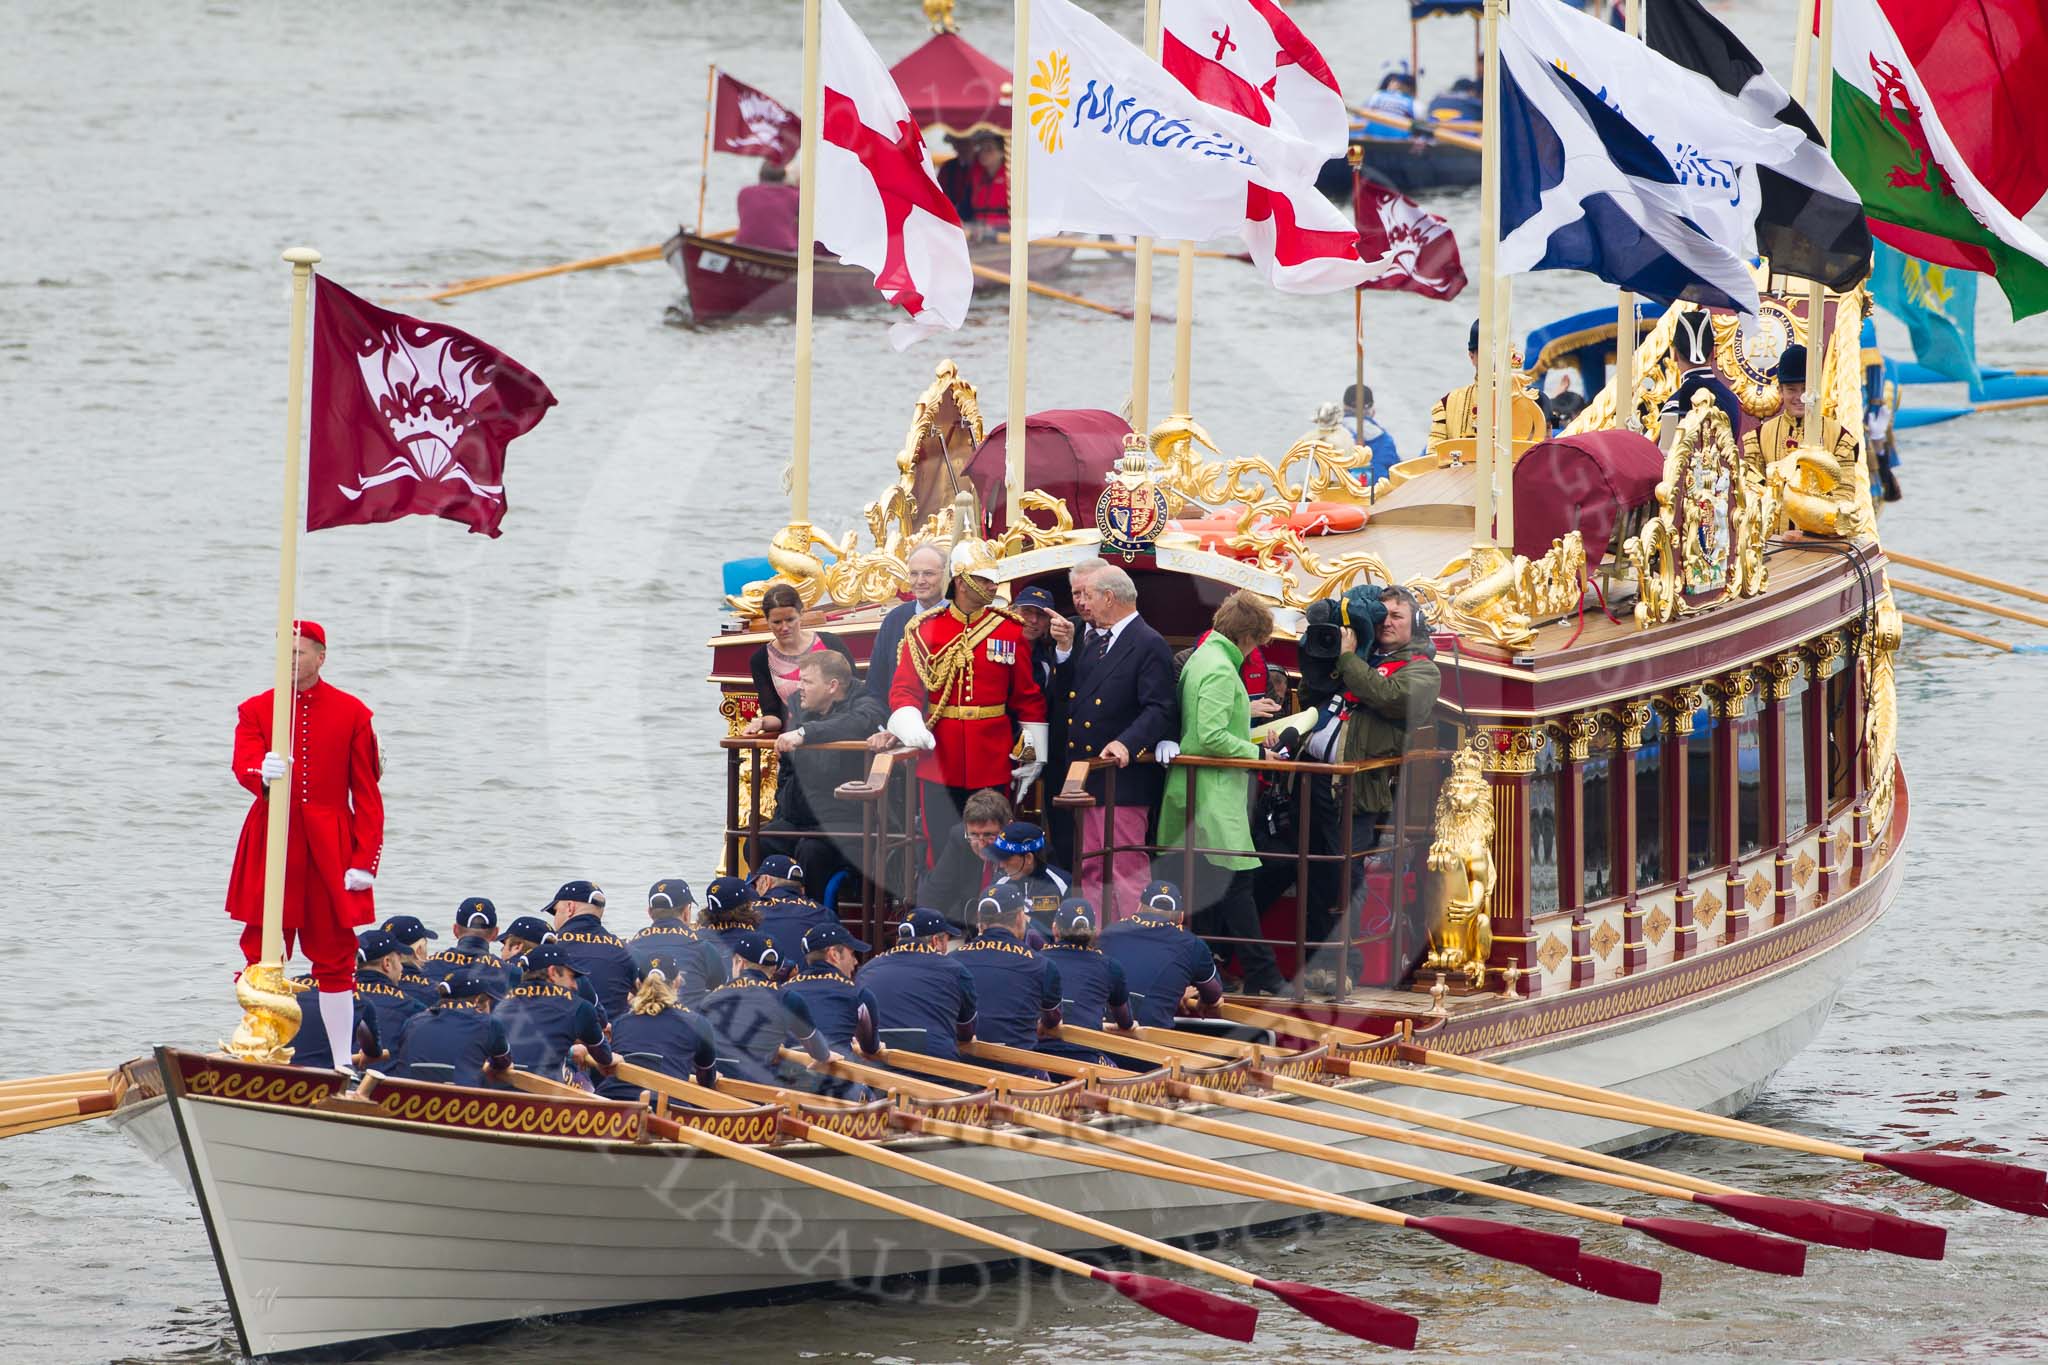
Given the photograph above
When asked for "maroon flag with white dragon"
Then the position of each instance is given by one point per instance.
(410, 418)
(749, 123)
(1414, 248)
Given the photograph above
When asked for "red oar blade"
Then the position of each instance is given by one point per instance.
(1186, 1305)
(1901, 1236)
(1730, 1246)
(1544, 1252)
(1361, 1318)
(1615, 1279)
(1991, 1182)
(1810, 1220)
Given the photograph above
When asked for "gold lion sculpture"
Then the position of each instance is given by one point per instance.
(1461, 938)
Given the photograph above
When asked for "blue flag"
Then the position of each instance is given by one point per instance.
(1938, 304)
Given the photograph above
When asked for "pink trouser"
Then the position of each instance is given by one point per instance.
(1129, 871)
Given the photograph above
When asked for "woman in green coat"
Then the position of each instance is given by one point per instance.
(1215, 716)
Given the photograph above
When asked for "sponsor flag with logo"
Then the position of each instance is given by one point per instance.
(409, 418)
(1582, 188)
(879, 202)
(1412, 248)
(1938, 304)
(1119, 145)
(749, 123)
(1919, 147)
(1809, 220)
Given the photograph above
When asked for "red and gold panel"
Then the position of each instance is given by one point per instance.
(1301, 1066)
(964, 1109)
(222, 1078)
(1059, 1101)
(756, 1127)
(867, 1122)
(1149, 1088)
(505, 1111)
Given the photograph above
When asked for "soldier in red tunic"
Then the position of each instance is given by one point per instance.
(962, 677)
(335, 835)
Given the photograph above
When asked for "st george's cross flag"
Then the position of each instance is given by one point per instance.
(749, 123)
(879, 205)
(1413, 248)
(409, 418)
(1581, 188)
(1250, 58)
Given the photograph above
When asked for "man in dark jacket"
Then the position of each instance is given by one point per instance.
(930, 582)
(811, 825)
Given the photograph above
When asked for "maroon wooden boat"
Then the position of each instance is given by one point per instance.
(726, 280)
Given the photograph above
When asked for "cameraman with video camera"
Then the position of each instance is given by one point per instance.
(1368, 665)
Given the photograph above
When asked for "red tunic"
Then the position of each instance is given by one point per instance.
(970, 679)
(337, 817)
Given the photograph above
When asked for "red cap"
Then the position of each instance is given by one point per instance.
(313, 631)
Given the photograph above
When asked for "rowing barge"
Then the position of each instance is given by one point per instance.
(725, 280)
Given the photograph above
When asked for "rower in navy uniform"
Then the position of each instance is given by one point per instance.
(1016, 991)
(544, 1016)
(729, 911)
(521, 937)
(1020, 858)
(1162, 961)
(787, 914)
(1093, 991)
(753, 1020)
(917, 985)
(845, 1013)
(413, 935)
(457, 1041)
(476, 925)
(380, 966)
(696, 963)
(310, 1046)
(661, 1035)
(600, 956)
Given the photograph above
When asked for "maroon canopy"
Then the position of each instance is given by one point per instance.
(1582, 483)
(1068, 452)
(951, 85)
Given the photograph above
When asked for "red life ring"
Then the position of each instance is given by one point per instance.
(1328, 518)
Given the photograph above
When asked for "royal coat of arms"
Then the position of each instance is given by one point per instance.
(1131, 512)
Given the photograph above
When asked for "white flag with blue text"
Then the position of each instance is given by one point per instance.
(1119, 145)
(1585, 187)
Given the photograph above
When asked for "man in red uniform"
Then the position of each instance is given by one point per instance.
(963, 675)
(335, 835)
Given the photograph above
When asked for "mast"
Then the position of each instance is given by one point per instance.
(1817, 293)
(1020, 263)
(1485, 395)
(1625, 303)
(1184, 330)
(704, 163)
(1141, 304)
(806, 269)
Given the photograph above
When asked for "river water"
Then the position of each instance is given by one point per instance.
(541, 697)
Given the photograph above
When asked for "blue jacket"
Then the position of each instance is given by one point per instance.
(543, 1021)
(389, 1004)
(835, 1003)
(753, 1022)
(604, 959)
(699, 962)
(786, 916)
(309, 1044)
(917, 986)
(451, 1035)
(675, 1042)
(1015, 989)
(471, 950)
(1160, 961)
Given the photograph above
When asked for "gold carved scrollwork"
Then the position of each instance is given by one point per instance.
(1029, 535)
(270, 1015)
(1575, 734)
(1729, 694)
(1628, 720)
(1656, 380)
(1680, 705)
(1781, 672)
(1881, 709)
(1822, 653)
(1713, 517)
(738, 708)
(1494, 596)
(1461, 854)
(1508, 748)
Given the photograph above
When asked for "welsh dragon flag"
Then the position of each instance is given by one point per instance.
(1933, 156)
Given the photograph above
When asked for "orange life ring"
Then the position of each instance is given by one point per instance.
(1315, 519)
(1328, 518)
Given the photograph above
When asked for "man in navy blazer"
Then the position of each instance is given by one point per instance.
(929, 584)
(1122, 700)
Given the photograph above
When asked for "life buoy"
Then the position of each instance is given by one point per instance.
(1314, 519)
(1328, 518)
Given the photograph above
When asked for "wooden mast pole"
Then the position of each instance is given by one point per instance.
(1625, 306)
(806, 268)
(1141, 308)
(1020, 262)
(1485, 404)
(704, 163)
(1817, 293)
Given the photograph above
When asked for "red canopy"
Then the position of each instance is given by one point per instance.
(953, 86)
(1068, 452)
(1582, 483)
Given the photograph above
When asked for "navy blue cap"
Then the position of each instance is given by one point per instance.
(1162, 896)
(376, 943)
(1033, 597)
(466, 984)
(1001, 901)
(670, 892)
(476, 913)
(922, 924)
(582, 892)
(530, 929)
(834, 935)
(754, 947)
(1075, 915)
(407, 929)
(1020, 836)
(545, 956)
(781, 866)
(727, 893)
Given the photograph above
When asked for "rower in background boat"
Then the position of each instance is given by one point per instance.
(787, 914)
(977, 181)
(697, 962)
(1093, 988)
(544, 1016)
(1456, 414)
(845, 1013)
(662, 1035)
(1366, 431)
(767, 211)
(601, 957)
(457, 1041)
(1016, 990)
(1396, 96)
(1166, 968)
(413, 935)
(476, 925)
(918, 985)
(752, 1019)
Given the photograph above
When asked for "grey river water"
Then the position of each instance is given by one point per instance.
(541, 697)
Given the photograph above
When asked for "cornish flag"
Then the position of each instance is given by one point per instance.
(879, 205)
(1581, 188)
(410, 418)
(1248, 57)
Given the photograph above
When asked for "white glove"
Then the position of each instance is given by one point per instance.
(275, 766)
(1037, 736)
(907, 725)
(1165, 751)
(355, 879)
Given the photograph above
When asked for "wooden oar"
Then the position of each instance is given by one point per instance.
(1964, 575)
(1184, 1304)
(1416, 127)
(1295, 1027)
(977, 1076)
(1833, 1225)
(2007, 1185)
(55, 1113)
(872, 1076)
(687, 1092)
(1957, 599)
(1384, 1326)
(68, 1082)
(1354, 1315)
(1943, 628)
(995, 276)
(1044, 1061)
